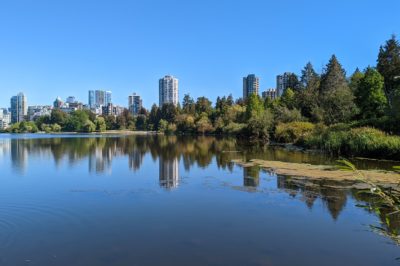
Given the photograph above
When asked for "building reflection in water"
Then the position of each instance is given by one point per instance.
(251, 176)
(99, 152)
(135, 159)
(5, 147)
(100, 161)
(19, 155)
(169, 172)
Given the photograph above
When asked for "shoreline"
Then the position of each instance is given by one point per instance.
(108, 132)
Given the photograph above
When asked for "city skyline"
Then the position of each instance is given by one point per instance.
(168, 92)
(123, 53)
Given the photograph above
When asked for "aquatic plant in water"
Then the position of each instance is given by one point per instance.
(384, 201)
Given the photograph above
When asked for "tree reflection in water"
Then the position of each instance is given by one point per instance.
(200, 151)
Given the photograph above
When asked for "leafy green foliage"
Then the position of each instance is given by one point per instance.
(370, 95)
(254, 106)
(259, 125)
(365, 141)
(100, 124)
(293, 132)
(23, 127)
(389, 67)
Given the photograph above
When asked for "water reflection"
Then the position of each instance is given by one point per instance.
(334, 196)
(100, 151)
(169, 151)
(251, 177)
(169, 173)
(19, 156)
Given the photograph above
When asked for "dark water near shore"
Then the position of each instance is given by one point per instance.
(155, 200)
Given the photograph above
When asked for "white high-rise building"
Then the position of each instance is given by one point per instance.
(5, 119)
(19, 108)
(168, 90)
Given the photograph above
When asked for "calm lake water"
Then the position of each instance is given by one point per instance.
(155, 200)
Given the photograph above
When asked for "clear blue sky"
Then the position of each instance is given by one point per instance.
(62, 48)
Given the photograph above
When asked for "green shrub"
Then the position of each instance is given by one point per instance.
(363, 141)
(100, 124)
(88, 126)
(294, 132)
(234, 128)
(259, 125)
(23, 127)
(371, 142)
(334, 142)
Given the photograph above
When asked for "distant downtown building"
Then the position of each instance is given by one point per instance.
(99, 98)
(282, 83)
(71, 99)
(58, 103)
(37, 111)
(19, 108)
(251, 85)
(168, 90)
(5, 118)
(111, 109)
(270, 93)
(134, 104)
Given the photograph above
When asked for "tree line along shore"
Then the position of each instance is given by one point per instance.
(357, 115)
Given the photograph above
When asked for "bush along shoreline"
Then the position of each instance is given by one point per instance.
(356, 115)
(340, 140)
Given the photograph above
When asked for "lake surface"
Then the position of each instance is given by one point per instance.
(156, 200)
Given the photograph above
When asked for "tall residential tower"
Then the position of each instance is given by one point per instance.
(282, 83)
(251, 85)
(168, 90)
(134, 104)
(19, 108)
(99, 98)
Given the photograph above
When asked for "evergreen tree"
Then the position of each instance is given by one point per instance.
(389, 67)
(203, 105)
(370, 95)
(188, 105)
(230, 100)
(154, 117)
(335, 98)
(355, 80)
(169, 112)
(334, 76)
(288, 98)
(254, 105)
(308, 76)
(294, 83)
(307, 98)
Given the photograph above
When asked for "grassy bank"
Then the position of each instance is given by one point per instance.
(340, 139)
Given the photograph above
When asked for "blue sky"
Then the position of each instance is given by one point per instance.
(62, 48)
